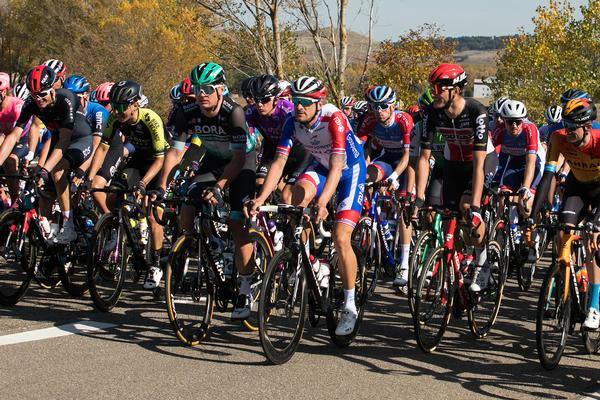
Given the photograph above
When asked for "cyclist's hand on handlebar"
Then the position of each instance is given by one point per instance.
(392, 181)
(320, 212)
(251, 207)
(157, 195)
(213, 195)
(474, 217)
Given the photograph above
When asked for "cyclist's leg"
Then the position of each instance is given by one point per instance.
(12, 164)
(112, 162)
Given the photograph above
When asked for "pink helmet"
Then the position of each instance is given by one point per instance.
(4, 81)
(102, 92)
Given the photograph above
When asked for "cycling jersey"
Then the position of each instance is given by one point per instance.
(546, 130)
(394, 138)
(559, 125)
(97, 117)
(185, 108)
(437, 145)
(221, 135)
(64, 113)
(583, 161)
(464, 134)
(9, 114)
(330, 134)
(270, 127)
(146, 134)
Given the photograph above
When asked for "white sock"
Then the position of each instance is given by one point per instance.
(480, 256)
(245, 281)
(349, 300)
(513, 214)
(66, 216)
(405, 250)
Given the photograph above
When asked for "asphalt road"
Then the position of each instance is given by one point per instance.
(139, 357)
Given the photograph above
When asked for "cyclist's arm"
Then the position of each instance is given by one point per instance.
(403, 163)
(478, 175)
(9, 143)
(34, 135)
(98, 160)
(172, 159)
(530, 161)
(531, 155)
(154, 169)
(232, 169)
(548, 177)
(239, 137)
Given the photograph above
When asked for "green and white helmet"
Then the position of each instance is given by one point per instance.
(207, 74)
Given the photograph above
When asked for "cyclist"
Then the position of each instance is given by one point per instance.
(390, 131)
(495, 117)
(267, 115)
(220, 123)
(338, 166)
(71, 141)
(245, 91)
(553, 116)
(60, 69)
(285, 90)
(346, 104)
(143, 128)
(579, 143)
(10, 106)
(360, 110)
(182, 96)
(464, 125)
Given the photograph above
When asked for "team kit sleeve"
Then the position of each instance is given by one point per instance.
(533, 137)
(553, 153)
(157, 133)
(66, 111)
(109, 130)
(480, 126)
(428, 129)
(405, 121)
(287, 137)
(26, 113)
(338, 129)
(238, 130)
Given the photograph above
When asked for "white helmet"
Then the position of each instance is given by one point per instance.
(284, 88)
(497, 105)
(347, 101)
(553, 114)
(20, 90)
(513, 109)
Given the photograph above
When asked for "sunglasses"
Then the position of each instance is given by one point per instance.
(41, 95)
(438, 88)
(205, 90)
(120, 107)
(513, 121)
(303, 101)
(571, 126)
(379, 106)
(263, 100)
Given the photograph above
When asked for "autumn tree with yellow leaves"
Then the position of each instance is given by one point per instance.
(562, 52)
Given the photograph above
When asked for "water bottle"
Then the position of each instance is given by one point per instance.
(385, 228)
(556, 203)
(515, 232)
(276, 235)
(321, 270)
(46, 229)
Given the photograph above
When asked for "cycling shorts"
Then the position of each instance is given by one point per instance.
(385, 170)
(458, 179)
(21, 148)
(350, 190)
(298, 160)
(578, 199)
(511, 172)
(78, 151)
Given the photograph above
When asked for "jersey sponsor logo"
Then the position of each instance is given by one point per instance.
(87, 151)
(481, 128)
(209, 130)
(353, 148)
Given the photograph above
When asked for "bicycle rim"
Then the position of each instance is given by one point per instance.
(423, 247)
(261, 255)
(16, 261)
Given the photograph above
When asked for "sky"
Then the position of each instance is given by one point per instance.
(454, 17)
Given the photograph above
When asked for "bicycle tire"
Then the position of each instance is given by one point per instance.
(361, 238)
(14, 279)
(262, 245)
(186, 280)
(436, 263)
(336, 299)
(100, 274)
(552, 305)
(426, 240)
(281, 277)
(494, 291)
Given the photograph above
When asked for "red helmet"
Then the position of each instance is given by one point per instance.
(40, 78)
(4, 81)
(308, 86)
(102, 92)
(186, 87)
(448, 75)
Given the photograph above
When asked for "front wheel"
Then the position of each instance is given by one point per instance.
(282, 307)
(553, 317)
(17, 258)
(424, 245)
(262, 253)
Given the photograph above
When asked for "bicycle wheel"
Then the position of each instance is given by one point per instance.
(435, 296)
(485, 305)
(362, 239)
(282, 307)
(525, 274)
(189, 292)
(553, 317)
(106, 273)
(17, 258)
(261, 255)
(336, 298)
(591, 341)
(424, 245)
(77, 256)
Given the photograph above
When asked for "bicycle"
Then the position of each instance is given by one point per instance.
(288, 281)
(26, 254)
(562, 301)
(442, 289)
(195, 281)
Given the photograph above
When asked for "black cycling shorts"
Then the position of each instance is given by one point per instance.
(297, 162)
(579, 198)
(458, 179)
(78, 151)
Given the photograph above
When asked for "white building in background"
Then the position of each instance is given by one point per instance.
(481, 88)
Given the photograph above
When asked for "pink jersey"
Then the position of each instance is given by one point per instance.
(9, 114)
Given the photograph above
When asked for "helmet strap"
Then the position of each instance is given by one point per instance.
(586, 133)
(450, 99)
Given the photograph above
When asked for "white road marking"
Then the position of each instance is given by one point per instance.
(54, 332)
(592, 396)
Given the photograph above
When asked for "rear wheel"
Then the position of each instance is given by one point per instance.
(362, 239)
(189, 292)
(282, 307)
(77, 256)
(17, 258)
(424, 245)
(433, 301)
(553, 317)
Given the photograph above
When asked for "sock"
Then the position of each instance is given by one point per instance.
(594, 299)
(349, 300)
(513, 215)
(405, 251)
(156, 258)
(66, 216)
(245, 281)
(480, 255)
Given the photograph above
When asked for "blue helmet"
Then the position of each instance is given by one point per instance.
(92, 97)
(77, 84)
(572, 94)
(381, 94)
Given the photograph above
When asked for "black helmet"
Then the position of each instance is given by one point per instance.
(264, 86)
(125, 92)
(579, 111)
(245, 87)
(572, 94)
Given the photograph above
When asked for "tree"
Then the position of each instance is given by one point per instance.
(561, 53)
(405, 64)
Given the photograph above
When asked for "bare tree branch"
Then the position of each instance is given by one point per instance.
(363, 76)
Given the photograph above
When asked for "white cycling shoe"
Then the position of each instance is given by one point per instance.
(592, 321)
(153, 278)
(481, 278)
(346, 323)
